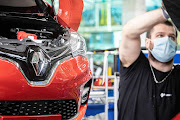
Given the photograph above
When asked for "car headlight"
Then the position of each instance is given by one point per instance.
(78, 45)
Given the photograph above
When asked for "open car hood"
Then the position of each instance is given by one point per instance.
(25, 6)
(69, 11)
(173, 8)
(18, 3)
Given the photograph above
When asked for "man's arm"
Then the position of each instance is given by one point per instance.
(130, 46)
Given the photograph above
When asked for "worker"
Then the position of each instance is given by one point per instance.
(149, 87)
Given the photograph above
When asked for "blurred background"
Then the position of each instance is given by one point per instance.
(102, 21)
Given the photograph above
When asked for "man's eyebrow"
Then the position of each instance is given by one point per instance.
(159, 33)
(164, 33)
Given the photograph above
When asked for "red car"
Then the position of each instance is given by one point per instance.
(44, 71)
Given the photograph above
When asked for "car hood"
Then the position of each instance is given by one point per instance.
(68, 15)
(18, 3)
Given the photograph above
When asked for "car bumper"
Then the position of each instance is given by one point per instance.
(40, 117)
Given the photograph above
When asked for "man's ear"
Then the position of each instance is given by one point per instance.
(147, 43)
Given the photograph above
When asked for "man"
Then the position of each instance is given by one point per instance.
(149, 87)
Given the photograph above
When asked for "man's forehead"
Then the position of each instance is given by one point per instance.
(163, 29)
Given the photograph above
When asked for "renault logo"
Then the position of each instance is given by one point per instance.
(39, 63)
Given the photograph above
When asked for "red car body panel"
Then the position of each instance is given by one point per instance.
(177, 117)
(70, 12)
(41, 117)
(65, 83)
(81, 113)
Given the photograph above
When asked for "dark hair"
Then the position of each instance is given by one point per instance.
(148, 35)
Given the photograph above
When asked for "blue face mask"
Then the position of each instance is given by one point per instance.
(164, 49)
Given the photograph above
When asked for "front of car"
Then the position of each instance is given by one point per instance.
(44, 72)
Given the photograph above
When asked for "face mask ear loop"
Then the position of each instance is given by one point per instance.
(149, 50)
(149, 45)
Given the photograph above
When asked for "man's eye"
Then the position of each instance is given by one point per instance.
(173, 38)
(159, 36)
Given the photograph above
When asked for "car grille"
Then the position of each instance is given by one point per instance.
(67, 108)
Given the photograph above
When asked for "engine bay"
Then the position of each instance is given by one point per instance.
(50, 42)
(51, 36)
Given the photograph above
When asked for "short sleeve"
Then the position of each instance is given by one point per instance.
(141, 60)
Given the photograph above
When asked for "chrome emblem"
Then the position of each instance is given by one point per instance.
(39, 63)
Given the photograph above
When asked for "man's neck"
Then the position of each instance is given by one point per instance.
(163, 67)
